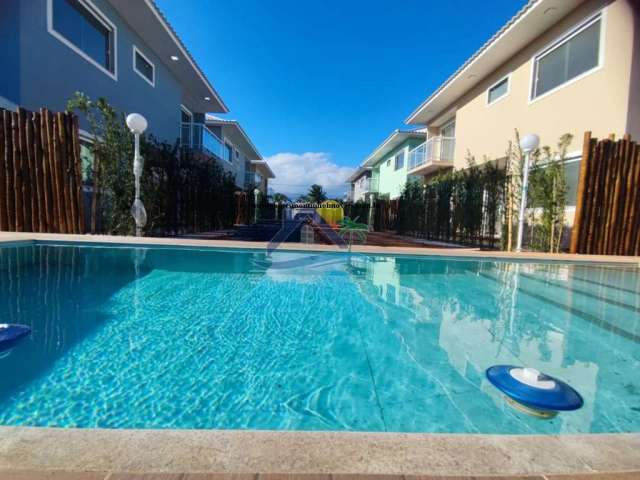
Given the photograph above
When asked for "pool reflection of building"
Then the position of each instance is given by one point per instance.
(470, 336)
(382, 272)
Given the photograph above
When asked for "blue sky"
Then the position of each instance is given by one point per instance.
(318, 85)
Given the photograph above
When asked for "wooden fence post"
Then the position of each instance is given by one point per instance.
(4, 219)
(8, 163)
(78, 173)
(17, 173)
(584, 165)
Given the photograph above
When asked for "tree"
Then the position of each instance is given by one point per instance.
(280, 197)
(316, 194)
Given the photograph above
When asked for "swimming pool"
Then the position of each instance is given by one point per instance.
(207, 338)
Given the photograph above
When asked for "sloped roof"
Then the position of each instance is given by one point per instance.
(150, 24)
(530, 22)
(396, 138)
(236, 134)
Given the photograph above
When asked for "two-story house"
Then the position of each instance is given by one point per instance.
(230, 142)
(125, 51)
(558, 66)
(359, 184)
(385, 171)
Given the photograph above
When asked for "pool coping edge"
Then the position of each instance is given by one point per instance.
(7, 238)
(291, 452)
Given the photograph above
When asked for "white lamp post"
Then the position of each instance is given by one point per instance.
(256, 194)
(137, 124)
(528, 144)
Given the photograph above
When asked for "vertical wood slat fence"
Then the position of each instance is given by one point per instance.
(40, 172)
(607, 218)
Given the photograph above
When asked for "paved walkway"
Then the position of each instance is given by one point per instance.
(61, 475)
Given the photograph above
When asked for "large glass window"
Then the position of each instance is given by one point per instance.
(499, 90)
(570, 58)
(84, 30)
(186, 120)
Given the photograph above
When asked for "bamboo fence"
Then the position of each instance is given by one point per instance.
(607, 218)
(40, 172)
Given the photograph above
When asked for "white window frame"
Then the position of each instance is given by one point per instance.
(151, 82)
(445, 125)
(402, 152)
(507, 77)
(228, 144)
(104, 20)
(188, 112)
(561, 40)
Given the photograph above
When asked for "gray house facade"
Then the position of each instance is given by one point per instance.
(241, 157)
(122, 50)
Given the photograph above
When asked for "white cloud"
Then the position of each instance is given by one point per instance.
(295, 172)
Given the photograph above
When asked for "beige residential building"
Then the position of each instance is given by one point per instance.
(558, 66)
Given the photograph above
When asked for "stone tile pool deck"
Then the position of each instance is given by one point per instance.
(65, 454)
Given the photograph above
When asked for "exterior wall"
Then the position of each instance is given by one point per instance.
(9, 53)
(50, 72)
(239, 163)
(360, 187)
(233, 166)
(598, 102)
(633, 115)
(391, 181)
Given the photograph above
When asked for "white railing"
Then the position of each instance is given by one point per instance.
(436, 149)
(416, 156)
(199, 137)
(252, 179)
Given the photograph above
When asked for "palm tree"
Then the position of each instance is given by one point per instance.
(316, 194)
(349, 228)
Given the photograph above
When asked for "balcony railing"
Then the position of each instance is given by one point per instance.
(199, 137)
(374, 183)
(436, 149)
(252, 179)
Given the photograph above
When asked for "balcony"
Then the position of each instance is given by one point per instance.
(252, 179)
(199, 137)
(432, 155)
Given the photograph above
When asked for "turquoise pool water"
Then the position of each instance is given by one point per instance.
(188, 338)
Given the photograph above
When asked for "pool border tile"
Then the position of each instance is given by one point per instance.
(467, 253)
(286, 452)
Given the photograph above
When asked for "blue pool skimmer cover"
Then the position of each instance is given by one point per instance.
(10, 334)
(529, 387)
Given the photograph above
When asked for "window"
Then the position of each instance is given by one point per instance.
(186, 119)
(448, 130)
(399, 160)
(80, 25)
(143, 67)
(86, 160)
(498, 90)
(228, 153)
(571, 57)
(571, 175)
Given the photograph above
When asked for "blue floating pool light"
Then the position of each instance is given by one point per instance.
(10, 334)
(533, 392)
